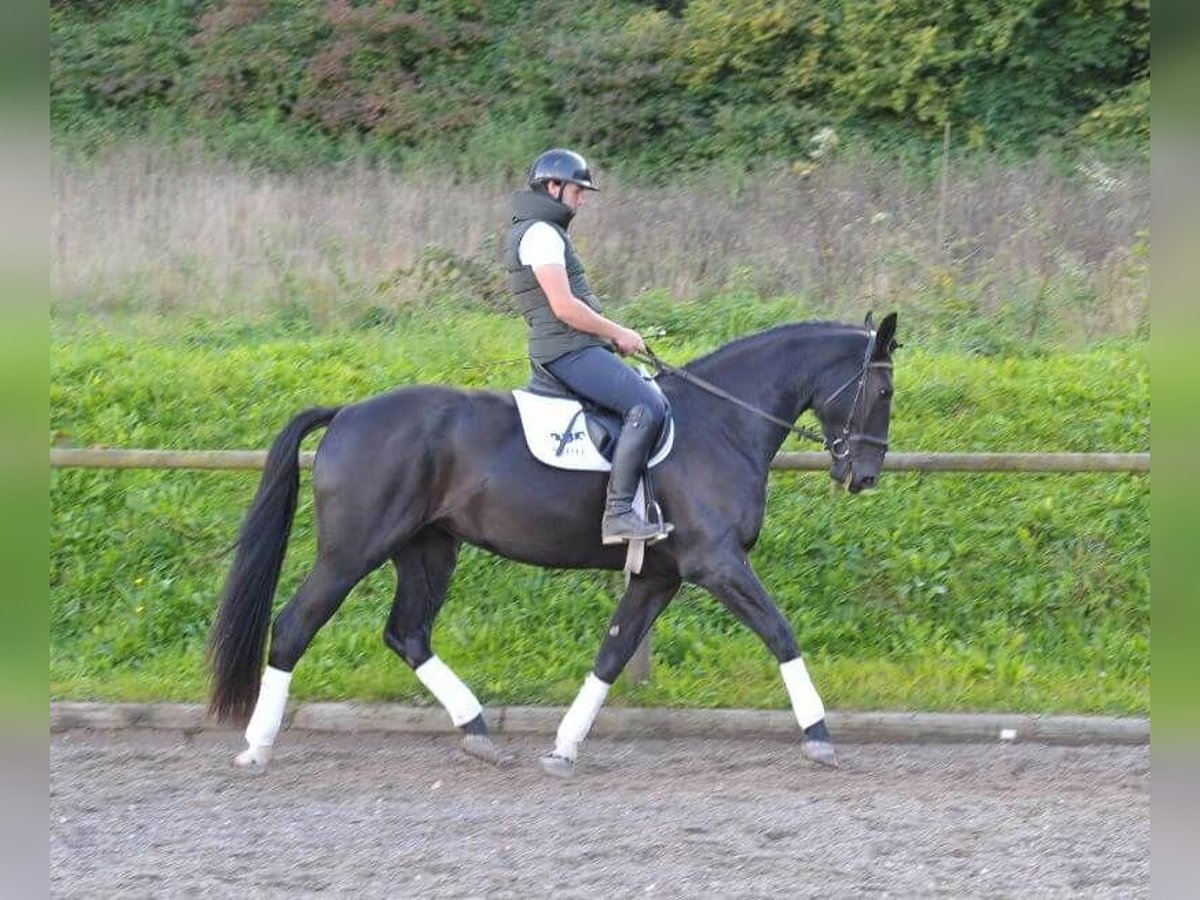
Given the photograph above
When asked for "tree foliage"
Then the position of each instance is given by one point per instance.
(665, 82)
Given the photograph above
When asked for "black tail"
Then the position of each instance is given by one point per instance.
(236, 644)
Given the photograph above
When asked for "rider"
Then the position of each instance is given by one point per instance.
(570, 337)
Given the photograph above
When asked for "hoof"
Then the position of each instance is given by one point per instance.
(821, 752)
(481, 747)
(253, 760)
(558, 766)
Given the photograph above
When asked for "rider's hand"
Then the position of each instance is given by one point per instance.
(628, 341)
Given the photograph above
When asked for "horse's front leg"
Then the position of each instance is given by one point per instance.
(730, 579)
(644, 599)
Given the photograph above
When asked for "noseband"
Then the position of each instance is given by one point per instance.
(839, 447)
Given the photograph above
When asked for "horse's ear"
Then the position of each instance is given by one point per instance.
(885, 337)
(869, 321)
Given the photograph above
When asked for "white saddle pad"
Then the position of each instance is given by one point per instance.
(545, 419)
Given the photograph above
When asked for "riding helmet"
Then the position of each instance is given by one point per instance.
(561, 165)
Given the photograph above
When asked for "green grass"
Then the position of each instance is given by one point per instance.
(936, 592)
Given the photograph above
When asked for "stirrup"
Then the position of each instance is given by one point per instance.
(647, 531)
(613, 540)
(664, 532)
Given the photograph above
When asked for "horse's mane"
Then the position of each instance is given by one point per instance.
(754, 342)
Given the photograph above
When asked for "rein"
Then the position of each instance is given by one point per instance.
(665, 369)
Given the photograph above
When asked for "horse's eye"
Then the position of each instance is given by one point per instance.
(885, 392)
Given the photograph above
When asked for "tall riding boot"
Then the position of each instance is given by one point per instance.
(621, 522)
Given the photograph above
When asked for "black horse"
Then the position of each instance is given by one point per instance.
(408, 476)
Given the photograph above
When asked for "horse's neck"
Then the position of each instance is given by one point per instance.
(777, 372)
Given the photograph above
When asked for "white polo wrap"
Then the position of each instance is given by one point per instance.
(806, 703)
(268, 711)
(449, 690)
(579, 718)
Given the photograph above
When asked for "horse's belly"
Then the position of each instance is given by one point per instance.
(525, 511)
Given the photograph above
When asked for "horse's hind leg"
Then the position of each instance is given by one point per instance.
(423, 569)
(293, 630)
(644, 599)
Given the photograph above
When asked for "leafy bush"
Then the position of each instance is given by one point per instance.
(1004, 73)
(1122, 118)
(654, 88)
(368, 68)
(105, 60)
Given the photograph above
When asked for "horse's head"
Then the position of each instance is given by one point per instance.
(855, 413)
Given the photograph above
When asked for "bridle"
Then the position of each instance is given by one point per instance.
(838, 447)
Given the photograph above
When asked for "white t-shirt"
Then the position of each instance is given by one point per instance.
(541, 245)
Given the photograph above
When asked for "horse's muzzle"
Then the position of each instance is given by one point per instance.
(859, 469)
(857, 485)
(855, 478)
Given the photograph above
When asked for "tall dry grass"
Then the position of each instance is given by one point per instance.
(145, 228)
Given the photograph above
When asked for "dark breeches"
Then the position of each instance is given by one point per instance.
(598, 375)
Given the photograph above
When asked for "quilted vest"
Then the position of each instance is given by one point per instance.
(549, 336)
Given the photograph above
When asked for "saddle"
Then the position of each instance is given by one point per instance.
(565, 431)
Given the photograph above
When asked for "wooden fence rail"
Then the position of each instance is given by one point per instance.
(72, 458)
